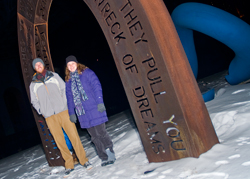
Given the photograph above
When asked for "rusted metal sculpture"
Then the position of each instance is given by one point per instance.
(33, 42)
(166, 102)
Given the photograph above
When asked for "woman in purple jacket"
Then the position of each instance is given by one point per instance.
(84, 99)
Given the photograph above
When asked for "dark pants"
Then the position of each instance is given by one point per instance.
(101, 139)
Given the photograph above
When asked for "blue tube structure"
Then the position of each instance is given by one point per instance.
(222, 26)
(208, 96)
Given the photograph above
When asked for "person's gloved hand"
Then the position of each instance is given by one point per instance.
(73, 118)
(101, 107)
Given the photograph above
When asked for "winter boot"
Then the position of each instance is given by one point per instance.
(111, 155)
(88, 165)
(67, 172)
(111, 158)
(106, 162)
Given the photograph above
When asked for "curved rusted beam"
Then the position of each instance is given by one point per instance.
(170, 113)
(163, 94)
(32, 23)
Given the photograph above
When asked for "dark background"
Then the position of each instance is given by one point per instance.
(73, 30)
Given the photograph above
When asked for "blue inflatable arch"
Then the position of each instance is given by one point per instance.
(222, 26)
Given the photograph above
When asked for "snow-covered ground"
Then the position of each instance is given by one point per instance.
(230, 114)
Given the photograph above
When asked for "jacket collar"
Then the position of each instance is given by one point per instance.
(48, 75)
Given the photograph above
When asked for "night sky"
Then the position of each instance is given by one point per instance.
(73, 30)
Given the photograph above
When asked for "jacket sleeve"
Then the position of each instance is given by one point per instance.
(70, 102)
(34, 101)
(95, 86)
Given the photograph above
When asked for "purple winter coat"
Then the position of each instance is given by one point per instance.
(93, 89)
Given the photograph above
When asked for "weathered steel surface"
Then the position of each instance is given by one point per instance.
(164, 97)
(170, 113)
(33, 42)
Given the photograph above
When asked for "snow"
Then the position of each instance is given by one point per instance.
(230, 115)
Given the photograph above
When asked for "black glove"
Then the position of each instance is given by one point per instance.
(72, 118)
(101, 107)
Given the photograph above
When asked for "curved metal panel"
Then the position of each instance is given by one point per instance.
(157, 78)
(165, 100)
(27, 9)
(33, 42)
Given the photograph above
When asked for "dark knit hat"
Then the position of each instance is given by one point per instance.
(37, 60)
(71, 58)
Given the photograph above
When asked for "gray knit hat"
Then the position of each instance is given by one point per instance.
(37, 60)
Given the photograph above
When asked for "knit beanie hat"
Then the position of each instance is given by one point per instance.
(37, 60)
(71, 58)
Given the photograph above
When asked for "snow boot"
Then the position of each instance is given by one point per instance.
(67, 172)
(111, 155)
(111, 158)
(106, 162)
(88, 165)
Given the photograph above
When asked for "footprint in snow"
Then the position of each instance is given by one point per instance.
(213, 175)
(222, 162)
(167, 171)
(246, 163)
(234, 156)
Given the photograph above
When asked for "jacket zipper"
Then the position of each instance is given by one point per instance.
(46, 87)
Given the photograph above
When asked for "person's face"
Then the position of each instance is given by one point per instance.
(72, 66)
(39, 67)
